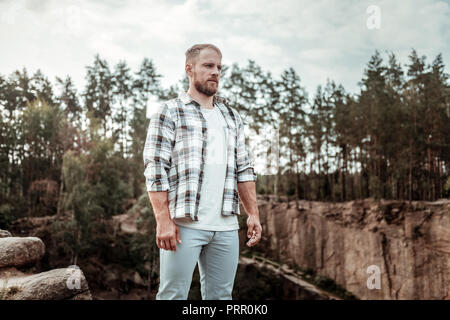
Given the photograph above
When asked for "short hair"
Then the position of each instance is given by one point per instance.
(193, 52)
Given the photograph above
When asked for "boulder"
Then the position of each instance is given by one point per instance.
(58, 284)
(18, 251)
(5, 233)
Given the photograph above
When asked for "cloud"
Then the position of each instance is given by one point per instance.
(319, 39)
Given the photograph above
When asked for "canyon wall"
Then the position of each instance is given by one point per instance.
(409, 243)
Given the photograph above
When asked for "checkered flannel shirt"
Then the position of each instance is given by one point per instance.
(175, 153)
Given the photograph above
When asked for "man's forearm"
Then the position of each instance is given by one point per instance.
(160, 204)
(247, 194)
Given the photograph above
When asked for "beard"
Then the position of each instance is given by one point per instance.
(207, 88)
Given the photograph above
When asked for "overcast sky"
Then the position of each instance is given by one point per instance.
(319, 39)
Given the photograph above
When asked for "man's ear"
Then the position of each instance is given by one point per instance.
(188, 68)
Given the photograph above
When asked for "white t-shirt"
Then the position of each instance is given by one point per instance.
(211, 194)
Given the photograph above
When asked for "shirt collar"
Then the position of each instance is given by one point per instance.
(217, 101)
(186, 98)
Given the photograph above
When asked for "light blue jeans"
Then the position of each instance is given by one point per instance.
(217, 254)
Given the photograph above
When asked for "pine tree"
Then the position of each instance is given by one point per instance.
(122, 92)
(292, 123)
(68, 99)
(98, 93)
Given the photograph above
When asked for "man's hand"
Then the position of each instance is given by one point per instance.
(254, 230)
(247, 194)
(167, 234)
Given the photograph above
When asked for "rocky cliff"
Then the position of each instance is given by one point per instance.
(328, 244)
(409, 243)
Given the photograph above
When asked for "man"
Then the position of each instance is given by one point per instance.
(197, 169)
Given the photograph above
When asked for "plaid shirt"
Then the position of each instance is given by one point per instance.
(175, 153)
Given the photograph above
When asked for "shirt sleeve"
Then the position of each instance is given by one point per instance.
(158, 149)
(245, 165)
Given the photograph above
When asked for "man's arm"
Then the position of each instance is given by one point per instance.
(247, 194)
(160, 204)
(157, 159)
(246, 178)
(158, 149)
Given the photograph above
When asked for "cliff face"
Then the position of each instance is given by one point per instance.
(410, 244)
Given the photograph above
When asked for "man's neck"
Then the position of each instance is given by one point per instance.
(202, 99)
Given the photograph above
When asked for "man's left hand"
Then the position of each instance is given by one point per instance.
(254, 230)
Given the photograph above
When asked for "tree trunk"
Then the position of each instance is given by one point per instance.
(410, 170)
(61, 195)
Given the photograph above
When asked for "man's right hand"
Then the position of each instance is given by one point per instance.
(167, 234)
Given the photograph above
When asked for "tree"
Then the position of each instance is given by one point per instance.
(292, 122)
(42, 134)
(122, 92)
(371, 101)
(42, 87)
(68, 99)
(98, 91)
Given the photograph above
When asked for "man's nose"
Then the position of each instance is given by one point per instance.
(216, 72)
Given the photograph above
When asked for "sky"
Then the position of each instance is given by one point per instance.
(319, 39)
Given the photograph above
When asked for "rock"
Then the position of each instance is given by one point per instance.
(126, 222)
(111, 280)
(57, 284)
(137, 279)
(20, 251)
(5, 233)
